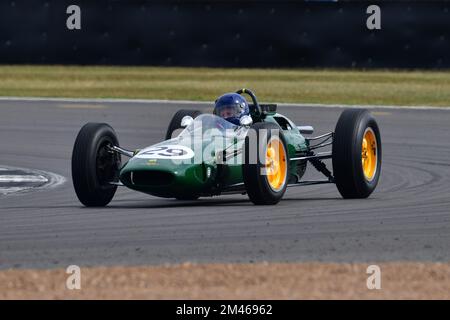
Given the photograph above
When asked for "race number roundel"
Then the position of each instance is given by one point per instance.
(166, 152)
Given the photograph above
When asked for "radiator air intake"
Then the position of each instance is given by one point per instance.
(150, 178)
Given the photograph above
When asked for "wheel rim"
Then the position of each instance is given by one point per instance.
(276, 164)
(369, 154)
(106, 164)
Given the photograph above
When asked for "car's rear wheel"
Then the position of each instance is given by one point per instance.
(175, 123)
(265, 169)
(94, 165)
(356, 154)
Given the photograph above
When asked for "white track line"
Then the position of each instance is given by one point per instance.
(189, 102)
(6, 190)
(48, 180)
(22, 178)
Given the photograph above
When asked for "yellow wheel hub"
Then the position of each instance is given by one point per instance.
(276, 164)
(369, 154)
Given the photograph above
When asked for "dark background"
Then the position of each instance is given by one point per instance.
(226, 34)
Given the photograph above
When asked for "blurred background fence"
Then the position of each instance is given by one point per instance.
(226, 34)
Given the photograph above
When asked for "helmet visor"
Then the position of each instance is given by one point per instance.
(228, 111)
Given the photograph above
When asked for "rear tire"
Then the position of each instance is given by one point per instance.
(175, 123)
(356, 153)
(94, 166)
(264, 188)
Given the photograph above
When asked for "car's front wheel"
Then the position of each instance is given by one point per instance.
(356, 153)
(95, 167)
(266, 165)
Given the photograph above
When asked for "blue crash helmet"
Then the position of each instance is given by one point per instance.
(231, 107)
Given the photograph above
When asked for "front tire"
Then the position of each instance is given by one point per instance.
(94, 166)
(356, 153)
(266, 172)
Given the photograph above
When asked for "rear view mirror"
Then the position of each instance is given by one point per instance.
(186, 121)
(246, 121)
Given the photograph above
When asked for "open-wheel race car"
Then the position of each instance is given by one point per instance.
(205, 155)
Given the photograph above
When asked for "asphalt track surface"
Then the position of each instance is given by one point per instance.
(406, 218)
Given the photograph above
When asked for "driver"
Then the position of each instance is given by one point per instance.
(231, 107)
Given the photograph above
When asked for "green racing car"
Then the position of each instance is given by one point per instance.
(242, 148)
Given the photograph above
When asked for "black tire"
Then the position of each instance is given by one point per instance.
(93, 167)
(175, 123)
(349, 175)
(257, 185)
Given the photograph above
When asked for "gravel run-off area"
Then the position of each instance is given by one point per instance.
(233, 281)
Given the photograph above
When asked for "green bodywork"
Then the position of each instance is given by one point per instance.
(153, 171)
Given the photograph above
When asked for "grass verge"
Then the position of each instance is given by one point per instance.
(280, 85)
